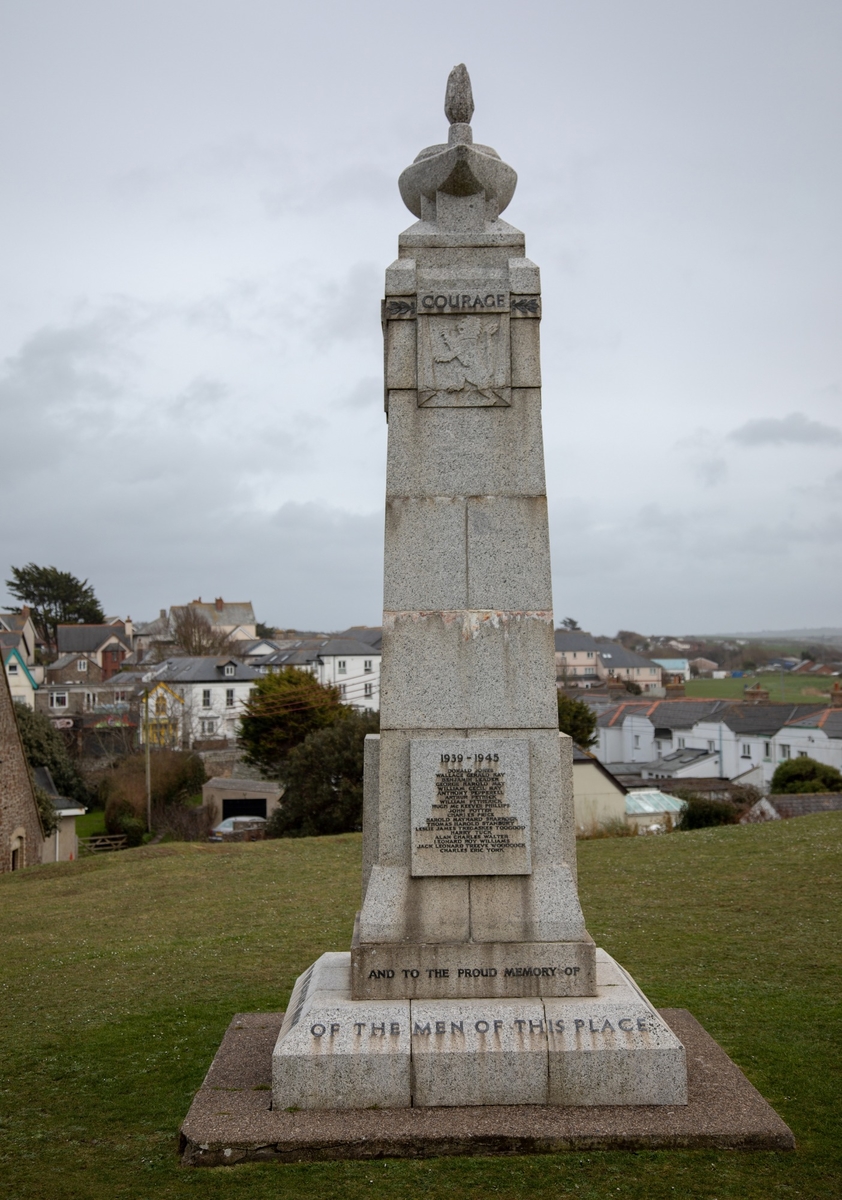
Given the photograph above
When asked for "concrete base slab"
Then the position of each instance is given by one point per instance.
(608, 1047)
(231, 1119)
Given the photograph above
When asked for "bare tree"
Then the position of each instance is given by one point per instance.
(193, 635)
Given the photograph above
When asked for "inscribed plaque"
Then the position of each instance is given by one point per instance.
(470, 806)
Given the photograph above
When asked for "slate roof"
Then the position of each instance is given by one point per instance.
(615, 655)
(371, 634)
(762, 719)
(87, 639)
(226, 784)
(349, 646)
(565, 640)
(203, 669)
(827, 719)
(14, 621)
(664, 714)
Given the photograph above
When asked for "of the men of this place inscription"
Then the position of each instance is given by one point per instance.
(470, 806)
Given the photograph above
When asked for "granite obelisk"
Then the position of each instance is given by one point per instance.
(471, 977)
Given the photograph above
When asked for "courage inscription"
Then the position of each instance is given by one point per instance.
(470, 807)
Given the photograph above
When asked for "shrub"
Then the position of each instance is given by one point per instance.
(176, 775)
(284, 708)
(804, 774)
(323, 781)
(700, 812)
(44, 746)
(577, 719)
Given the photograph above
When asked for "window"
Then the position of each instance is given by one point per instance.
(13, 668)
(368, 690)
(681, 743)
(367, 666)
(637, 741)
(653, 670)
(767, 749)
(590, 654)
(90, 700)
(342, 689)
(590, 670)
(58, 700)
(785, 751)
(802, 754)
(342, 666)
(230, 670)
(229, 697)
(746, 751)
(208, 726)
(160, 706)
(82, 664)
(121, 697)
(711, 746)
(206, 698)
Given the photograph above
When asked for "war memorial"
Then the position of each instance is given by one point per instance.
(473, 1012)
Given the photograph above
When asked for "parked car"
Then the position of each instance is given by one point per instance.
(245, 829)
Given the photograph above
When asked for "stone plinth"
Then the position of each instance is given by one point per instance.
(608, 1048)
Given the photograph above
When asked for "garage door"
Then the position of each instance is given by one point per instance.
(245, 807)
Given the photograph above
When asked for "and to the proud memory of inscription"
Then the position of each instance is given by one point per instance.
(470, 806)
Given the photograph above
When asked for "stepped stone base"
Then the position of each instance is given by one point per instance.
(606, 1049)
(231, 1119)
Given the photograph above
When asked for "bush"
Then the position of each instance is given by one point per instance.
(700, 812)
(323, 781)
(176, 775)
(44, 746)
(578, 719)
(800, 775)
(183, 822)
(285, 707)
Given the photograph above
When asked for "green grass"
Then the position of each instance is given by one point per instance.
(120, 974)
(796, 689)
(91, 823)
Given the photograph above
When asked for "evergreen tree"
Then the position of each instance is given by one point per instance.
(54, 598)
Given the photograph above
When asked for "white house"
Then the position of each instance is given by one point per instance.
(22, 683)
(196, 699)
(716, 738)
(346, 662)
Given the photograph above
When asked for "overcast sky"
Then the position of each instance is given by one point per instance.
(199, 200)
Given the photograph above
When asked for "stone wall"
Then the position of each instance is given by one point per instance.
(21, 835)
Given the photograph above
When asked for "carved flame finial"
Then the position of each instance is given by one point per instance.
(459, 99)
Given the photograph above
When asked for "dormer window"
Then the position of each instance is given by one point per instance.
(230, 670)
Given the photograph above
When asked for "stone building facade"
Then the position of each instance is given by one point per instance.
(21, 833)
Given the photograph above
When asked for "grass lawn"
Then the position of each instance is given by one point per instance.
(120, 974)
(797, 689)
(91, 823)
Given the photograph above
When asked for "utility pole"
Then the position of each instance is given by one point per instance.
(148, 762)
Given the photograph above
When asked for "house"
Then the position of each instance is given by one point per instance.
(61, 845)
(675, 670)
(721, 738)
(203, 699)
(107, 645)
(234, 618)
(348, 663)
(21, 831)
(225, 798)
(22, 624)
(599, 799)
(583, 660)
(809, 667)
(22, 684)
(703, 666)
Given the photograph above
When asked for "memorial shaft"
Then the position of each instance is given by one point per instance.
(468, 825)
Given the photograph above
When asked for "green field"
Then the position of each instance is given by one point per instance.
(91, 823)
(793, 689)
(121, 973)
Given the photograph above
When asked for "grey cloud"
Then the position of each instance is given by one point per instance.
(793, 429)
(367, 393)
(712, 471)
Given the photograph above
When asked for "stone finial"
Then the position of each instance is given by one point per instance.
(459, 99)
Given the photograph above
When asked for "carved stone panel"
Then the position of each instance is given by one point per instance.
(469, 802)
(464, 361)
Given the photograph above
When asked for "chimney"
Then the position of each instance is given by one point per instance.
(836, 696)
(218, 604)
(163, 614)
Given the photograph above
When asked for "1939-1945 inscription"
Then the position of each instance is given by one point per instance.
(470, 807)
